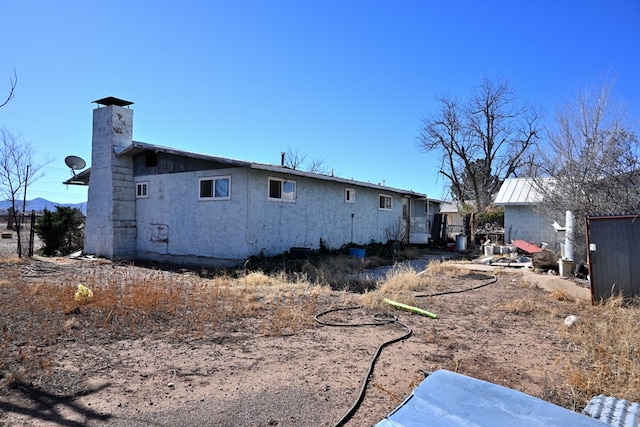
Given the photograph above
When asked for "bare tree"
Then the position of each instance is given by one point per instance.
(591, 162)
(17, 172)
(481, 141)
(13, 81)
(317, 165)
(295, 160)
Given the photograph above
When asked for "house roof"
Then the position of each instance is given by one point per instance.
(453, 206)
(137, 147)
(518, 191)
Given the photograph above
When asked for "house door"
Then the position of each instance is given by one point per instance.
(406, 219)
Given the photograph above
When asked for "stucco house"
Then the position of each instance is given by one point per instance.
(156, 203)
(519, 197)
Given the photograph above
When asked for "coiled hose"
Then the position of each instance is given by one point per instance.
(379, 320)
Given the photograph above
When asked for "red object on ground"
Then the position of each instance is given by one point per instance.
(526, 246)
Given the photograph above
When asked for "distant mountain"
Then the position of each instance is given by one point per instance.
(40, 204)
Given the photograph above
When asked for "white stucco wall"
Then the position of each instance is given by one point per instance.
(174, 226)
(521, 222)
(320, 211)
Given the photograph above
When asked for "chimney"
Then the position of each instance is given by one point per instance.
(110, 229)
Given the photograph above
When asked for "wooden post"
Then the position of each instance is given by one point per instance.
(32, 231)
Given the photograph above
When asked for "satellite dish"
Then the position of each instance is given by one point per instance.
(75, 163)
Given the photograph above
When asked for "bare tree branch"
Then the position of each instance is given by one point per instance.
(591, 160)
(481, 141)
(295, 160)
(13, 82)
(17, 172)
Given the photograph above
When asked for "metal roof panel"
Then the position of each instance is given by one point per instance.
(518, 191)
(447, 399)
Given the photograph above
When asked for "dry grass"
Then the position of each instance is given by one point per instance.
(561, 295)
(604, 352)
(520, 306)
(133, 303)
(402, 283)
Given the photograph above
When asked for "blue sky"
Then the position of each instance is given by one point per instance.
(344, 81)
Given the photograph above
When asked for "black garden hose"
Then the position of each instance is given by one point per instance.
(379, 320)
(459, 291)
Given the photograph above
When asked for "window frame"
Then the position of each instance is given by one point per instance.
(142, 185)
(349, 195)
(385, 208)
(213, 180)
(282, 182)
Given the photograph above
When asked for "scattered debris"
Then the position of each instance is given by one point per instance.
(545, 260)
(520, 262)
(570, 320)
(76, 254)
(451, 399)
(613, 411)
(527, 247)
(410, 308)
(83, 294)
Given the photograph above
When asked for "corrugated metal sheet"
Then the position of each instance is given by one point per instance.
(447, 399)
(613, 411)
(613, 245)
(518, 191)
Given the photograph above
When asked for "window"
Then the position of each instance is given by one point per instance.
(349, 195)
(384, 203)
(218, 188)
(282, 190)
(151, 160)
(142, 190)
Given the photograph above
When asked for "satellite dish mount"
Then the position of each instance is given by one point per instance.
(75, 163)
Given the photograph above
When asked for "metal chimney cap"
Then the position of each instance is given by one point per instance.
(110, 100)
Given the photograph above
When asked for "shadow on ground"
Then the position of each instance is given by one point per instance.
(47, 406)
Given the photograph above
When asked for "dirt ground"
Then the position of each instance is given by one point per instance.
(508, 333)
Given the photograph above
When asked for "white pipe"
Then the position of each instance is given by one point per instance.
(568, 236)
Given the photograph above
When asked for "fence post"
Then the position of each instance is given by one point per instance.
(32, 231)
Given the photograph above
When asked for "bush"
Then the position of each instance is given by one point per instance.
(60, 231)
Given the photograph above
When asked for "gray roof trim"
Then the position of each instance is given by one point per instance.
(81, 178)
(137, 147)
(312, 175)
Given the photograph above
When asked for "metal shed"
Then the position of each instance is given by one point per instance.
(613, 246)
